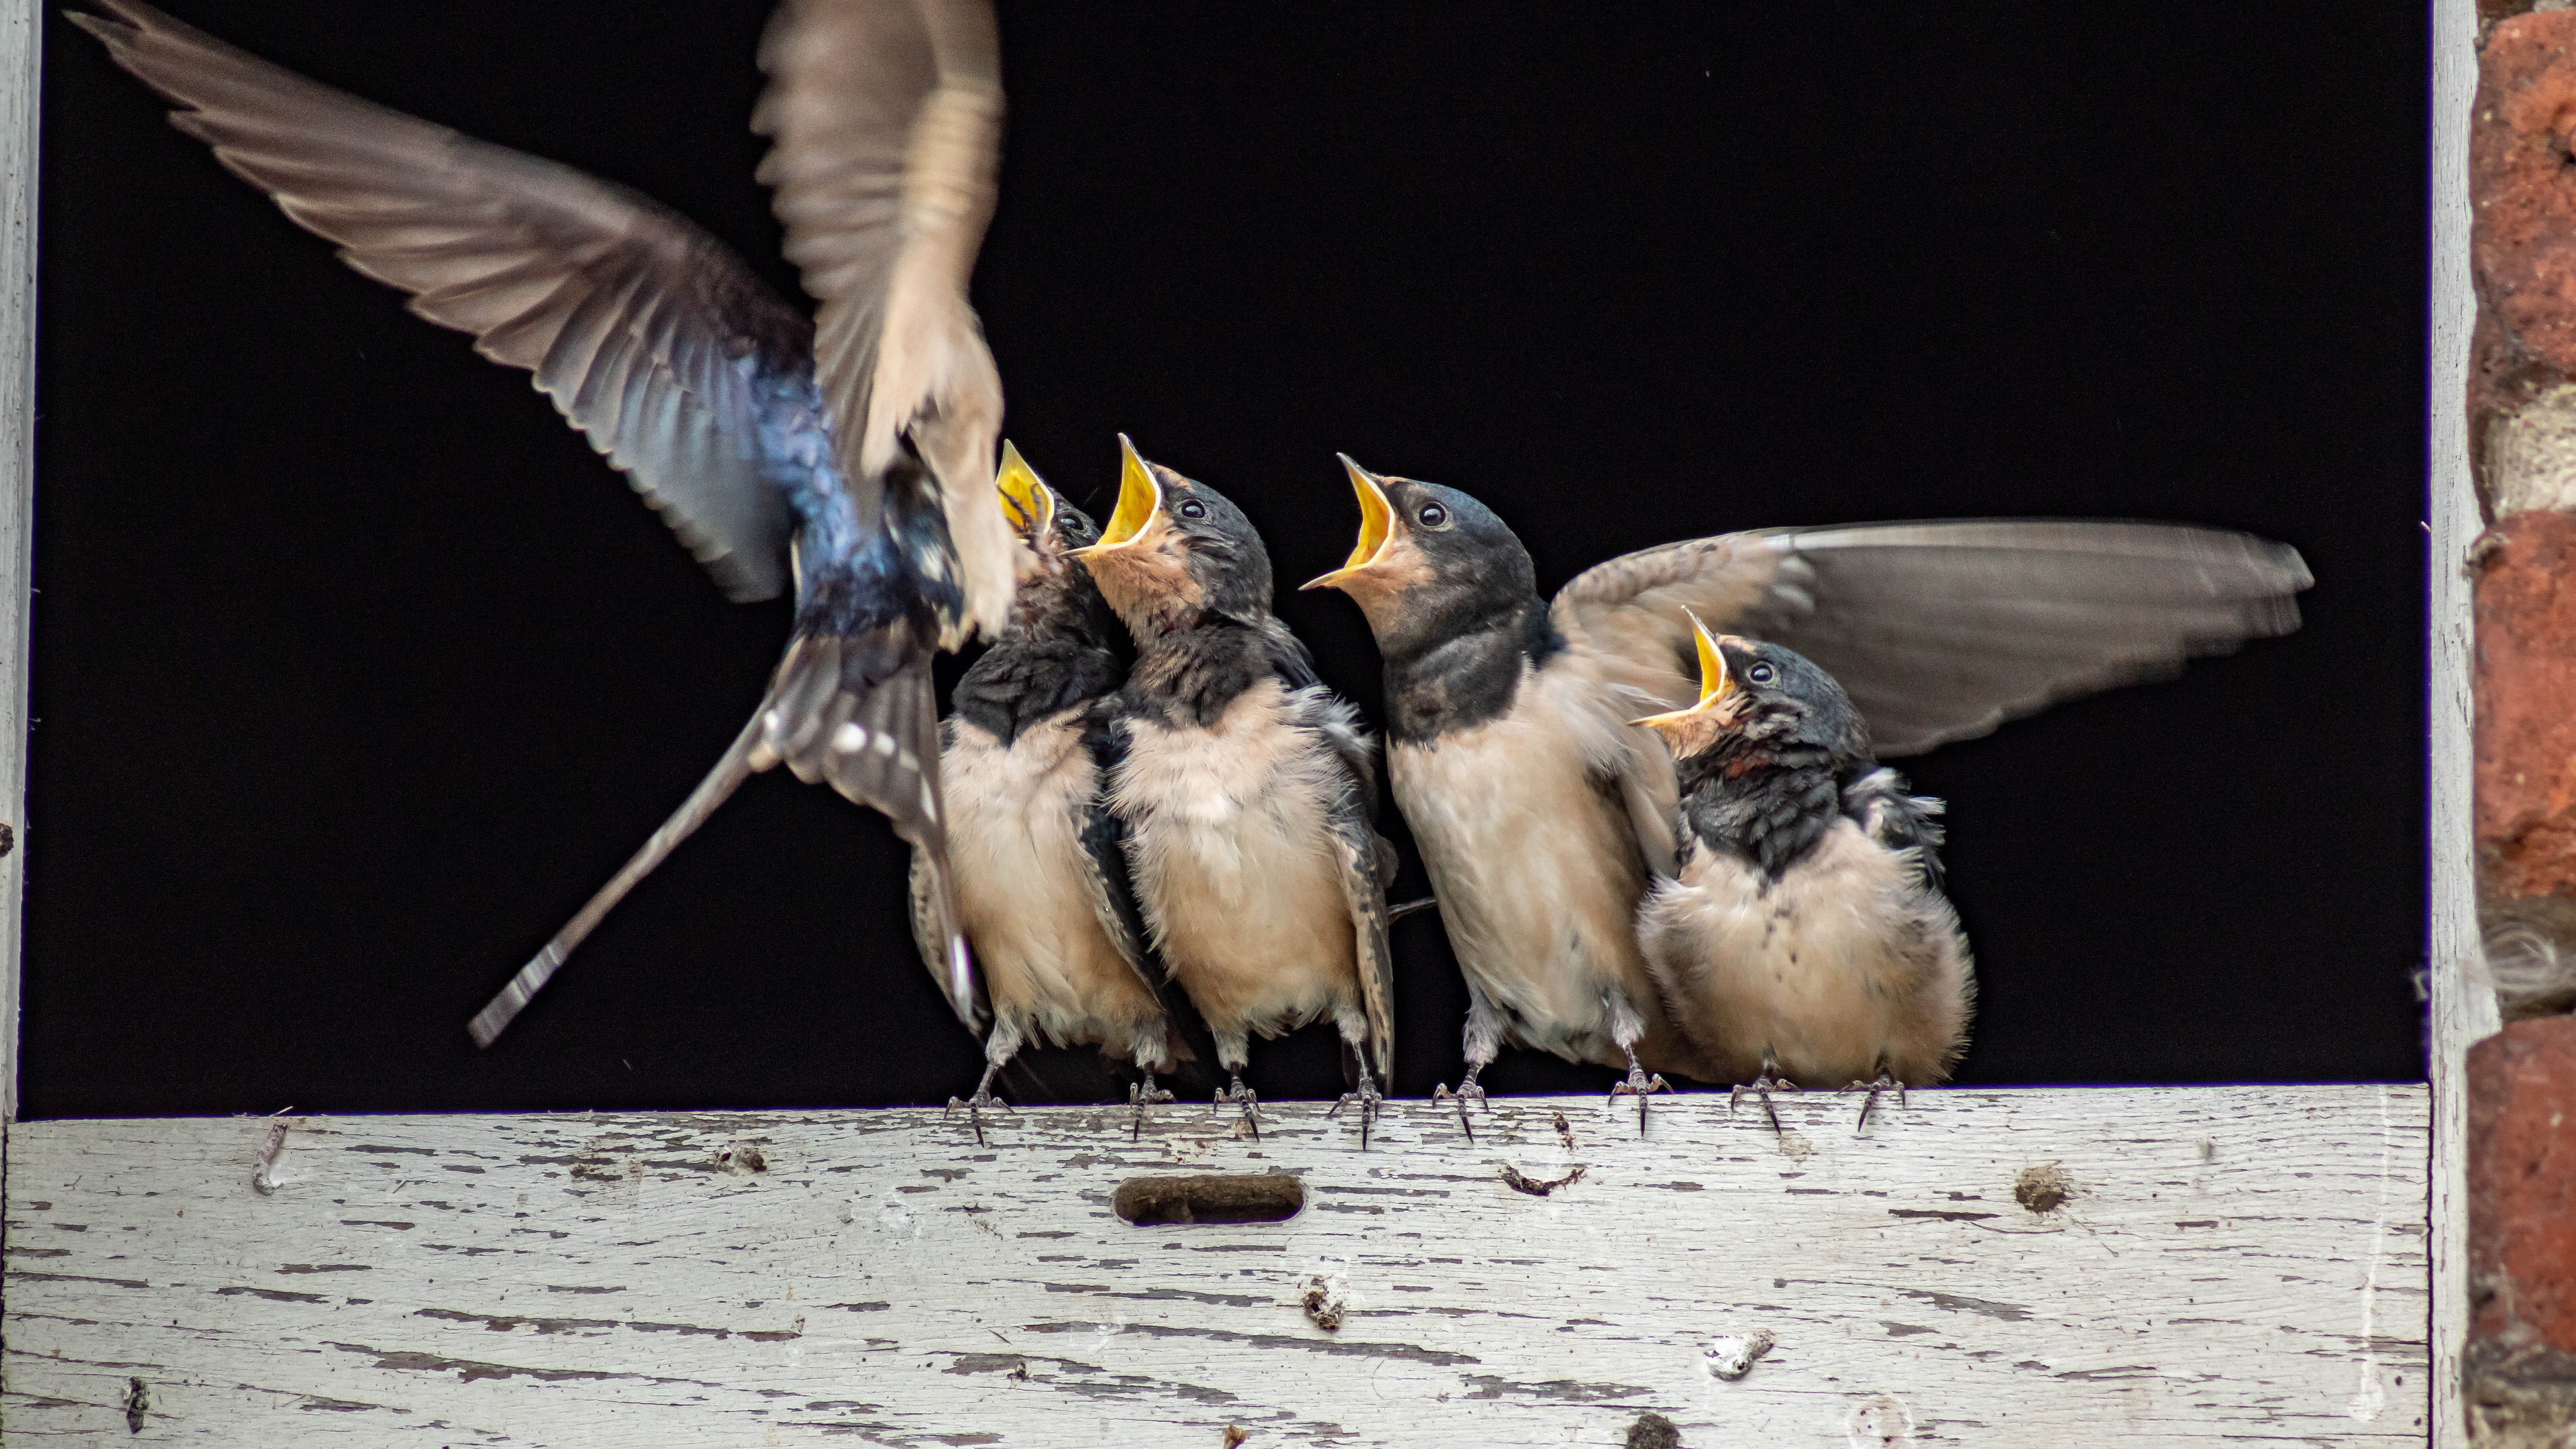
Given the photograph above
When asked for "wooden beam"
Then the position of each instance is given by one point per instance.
(21, 46)
(2023, 1267)
(2463, 1001)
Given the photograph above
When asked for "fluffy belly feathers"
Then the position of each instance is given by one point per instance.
(1020, 892)
(1843, 964)
(1233, 864)
(1536, 868)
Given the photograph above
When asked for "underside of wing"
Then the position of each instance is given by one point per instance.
(886, 117)
(1941, 631)
(648, 334)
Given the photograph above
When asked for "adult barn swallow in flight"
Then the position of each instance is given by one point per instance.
(1247, 789)
(851, 453)
(1541, 813)
(1803, 938)
(1041, 872)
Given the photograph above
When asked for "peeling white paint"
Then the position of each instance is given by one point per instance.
(617, 1280)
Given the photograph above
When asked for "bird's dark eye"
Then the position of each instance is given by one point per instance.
(1191, 508)
(1760, 674)
(1432, 516)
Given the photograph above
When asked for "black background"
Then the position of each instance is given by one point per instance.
(356, 671)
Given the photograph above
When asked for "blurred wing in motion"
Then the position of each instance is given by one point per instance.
(648, 334)
(1940, 631)
(887, 117)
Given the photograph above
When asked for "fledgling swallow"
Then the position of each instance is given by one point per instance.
(1248, 791)
(1542, 813)
(850, 453)
(1803, 939)
(1041, 872)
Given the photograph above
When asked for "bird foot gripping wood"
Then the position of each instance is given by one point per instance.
(1884, 1083)
(1763, 1086)
(1141, 1095)
(1368, 1096)
(1251, 1104)
(1468, 1092)
(976, 1104)
(1639, 1086)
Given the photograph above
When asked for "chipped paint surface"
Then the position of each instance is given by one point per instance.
(2233, 1264)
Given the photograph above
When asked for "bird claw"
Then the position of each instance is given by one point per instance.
(1763, 1086)
(1870, 1103)
(1251, 1105)
(1368, 1096)
(1467, 1092)
(1639, 1086)
(1141, 1095)
(975, 1106)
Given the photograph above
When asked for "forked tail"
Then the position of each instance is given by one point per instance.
(857, 711)
(714, 790)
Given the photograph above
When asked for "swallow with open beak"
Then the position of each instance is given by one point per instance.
(849, 455)
(1041, 873)
(1247, 790)
(1542, 814)
(1803, 938)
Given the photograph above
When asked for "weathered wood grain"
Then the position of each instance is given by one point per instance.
(2225, 1263)
(2463, 1000)
(19, 51)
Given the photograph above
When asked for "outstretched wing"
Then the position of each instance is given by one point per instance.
(648, 334)
(1940, 631)
(887, 118)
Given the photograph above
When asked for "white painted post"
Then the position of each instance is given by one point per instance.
(21, 48)
(2464, 1004)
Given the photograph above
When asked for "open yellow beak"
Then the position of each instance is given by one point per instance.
(1377, 524)
(1027, 502)
(1715, 684)
(1139, 499)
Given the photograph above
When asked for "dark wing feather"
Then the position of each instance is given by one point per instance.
(1877, 802)
(647, 333)
(1365, 860)
(1941, 631)
(1104, 857)
(1113, 901)
(928, 924)
(1355, 849)
(887, 118)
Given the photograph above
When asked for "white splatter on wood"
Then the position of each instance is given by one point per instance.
(2225, 1263)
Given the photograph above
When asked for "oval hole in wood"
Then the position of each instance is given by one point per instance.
(1214, 1198)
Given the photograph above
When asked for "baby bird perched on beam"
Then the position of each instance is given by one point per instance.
(1247, 790)
(1543, 817)
(1041, 876)
(1805, 939)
